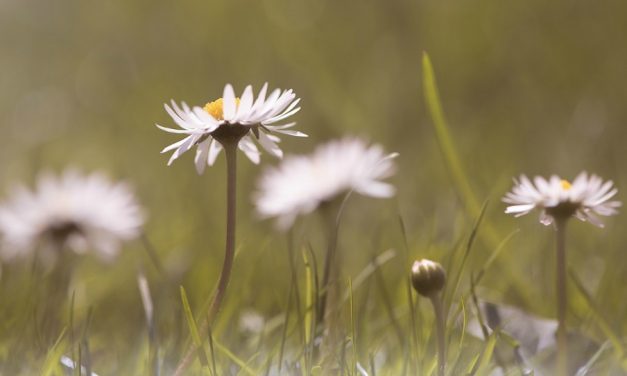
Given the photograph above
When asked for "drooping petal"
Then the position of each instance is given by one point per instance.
(200, 159)
(214, 151)
(248, 147)
(269, 144)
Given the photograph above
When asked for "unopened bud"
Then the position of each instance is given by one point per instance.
(427, 277)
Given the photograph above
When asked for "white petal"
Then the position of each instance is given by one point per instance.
(278, 127)
(177, 119)
(185, 146)
(206, 118)
(174, 145)
(248, 147)
(229, 106)
(524, 208)
(214, 150)
(268, 105)
(377, 189)
(200, 159)
(545, 219)
(245, 104)
(261, 98)
(281, 117)
(269, 144)
(291, 133)
(177, 131)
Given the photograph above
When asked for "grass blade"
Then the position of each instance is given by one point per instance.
(193, 328)
(453, 163)
(240, 363)
(51, 364)
(352, 328)
(481, 365)
(456, 279)
(444, 138)
(601, 321)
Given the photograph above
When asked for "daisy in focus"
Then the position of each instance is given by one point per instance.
(586, 198)
(301, 183)
(71, 211)
(229, 120)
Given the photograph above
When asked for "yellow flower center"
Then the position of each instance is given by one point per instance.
(566, 185)
(216, 108)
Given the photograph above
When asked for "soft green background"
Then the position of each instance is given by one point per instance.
(531, 87)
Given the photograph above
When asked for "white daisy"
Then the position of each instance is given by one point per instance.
(585, 198)
(300, 183)
(231, 119)
(80, 213)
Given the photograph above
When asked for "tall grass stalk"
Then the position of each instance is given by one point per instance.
(332, 218)
(562, 298)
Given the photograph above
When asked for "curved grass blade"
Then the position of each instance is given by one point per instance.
(480, 366)
(51, 364)
(444, 138)
(193, 329)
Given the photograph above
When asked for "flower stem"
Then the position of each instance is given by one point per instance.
(326, 274)
(230, 150)
(332, 213)
(436, 300)
(562, 340)
(229, 252)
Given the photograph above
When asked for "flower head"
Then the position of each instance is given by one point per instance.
(301, 183)
(585, 198)
(73, 211)
(428, 277)
(230, 119)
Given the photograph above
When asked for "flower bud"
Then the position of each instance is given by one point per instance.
(427, 277)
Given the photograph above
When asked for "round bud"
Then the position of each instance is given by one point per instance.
(427, 277)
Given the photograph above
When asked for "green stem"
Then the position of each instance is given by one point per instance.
(328, 265)
(230, 150)
(229, 252)
(332, 218)
(562, 302)
(436, 300)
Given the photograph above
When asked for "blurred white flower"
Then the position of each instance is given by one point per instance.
(80, 213)
(301, 183)
(251, 322)
(228, 118)
(586, 198)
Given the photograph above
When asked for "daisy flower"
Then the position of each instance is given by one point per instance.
(233, 120)
(80, 213)
(301, 183)
(586, 198)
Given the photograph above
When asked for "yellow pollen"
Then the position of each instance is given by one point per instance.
(566, 185)
(215, 108)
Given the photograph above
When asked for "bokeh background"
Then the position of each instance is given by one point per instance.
(529, 87)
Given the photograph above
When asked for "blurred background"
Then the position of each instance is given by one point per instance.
(530, 87)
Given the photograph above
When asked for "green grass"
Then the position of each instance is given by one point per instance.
(533, 88)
